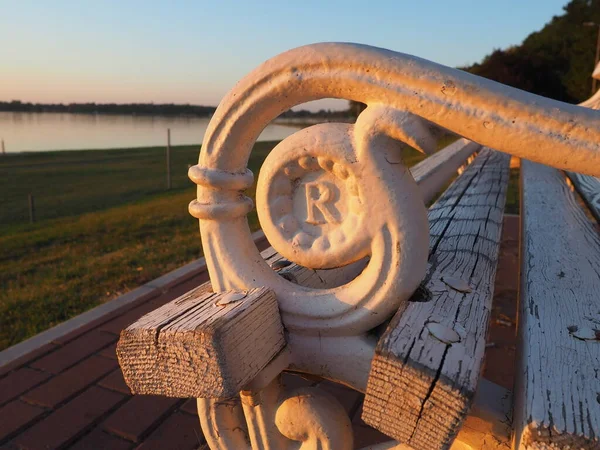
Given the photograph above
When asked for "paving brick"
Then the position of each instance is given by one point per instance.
(70, 421)
(178, 277)
(15, 415)
(182, 288)
(110, 351)
(116, 325)
(99, 440)
(115, 382)
(70, 382)
(28, 357)
(180, 431)
(74, 351)
(19, 381)
(143, 294)
(190, 406)
(139, 415)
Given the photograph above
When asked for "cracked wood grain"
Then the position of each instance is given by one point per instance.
(192, 347)
(423, 378)
(557, 395)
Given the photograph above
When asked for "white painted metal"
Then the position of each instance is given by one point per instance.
(488, 426)
(431, 175)
(328, 196)
(332, 194)
(434, 173)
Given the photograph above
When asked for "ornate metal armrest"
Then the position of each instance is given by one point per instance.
(332, 194)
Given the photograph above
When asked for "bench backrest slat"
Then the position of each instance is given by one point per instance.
(433, 173)
(557, 390)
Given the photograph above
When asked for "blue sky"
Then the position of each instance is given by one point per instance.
(195, 51)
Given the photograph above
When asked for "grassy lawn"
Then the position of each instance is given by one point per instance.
(105, 226)
(70, 183)
(119, 229)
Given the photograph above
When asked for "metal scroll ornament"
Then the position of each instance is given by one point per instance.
(334, 193)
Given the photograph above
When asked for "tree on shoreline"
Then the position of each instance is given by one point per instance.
(556, 62)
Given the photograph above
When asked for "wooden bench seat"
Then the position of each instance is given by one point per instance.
(557, 394)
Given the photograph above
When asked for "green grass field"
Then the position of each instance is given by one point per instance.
(105, 225)
(70, 183)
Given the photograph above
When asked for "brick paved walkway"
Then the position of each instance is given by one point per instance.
(70, 393)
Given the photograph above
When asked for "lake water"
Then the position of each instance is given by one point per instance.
(55, 131)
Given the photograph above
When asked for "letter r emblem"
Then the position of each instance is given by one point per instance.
(319, 197)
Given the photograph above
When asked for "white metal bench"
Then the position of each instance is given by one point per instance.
(365, 287)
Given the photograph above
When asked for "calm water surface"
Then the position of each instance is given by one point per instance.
(55, 131)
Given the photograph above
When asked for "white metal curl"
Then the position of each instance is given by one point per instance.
(324, 183)
(412, 91)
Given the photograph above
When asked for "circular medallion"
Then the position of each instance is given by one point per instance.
(309, 200)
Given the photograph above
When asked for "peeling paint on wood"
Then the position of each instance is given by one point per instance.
(202, 344)
(420, 388)
(558, 370)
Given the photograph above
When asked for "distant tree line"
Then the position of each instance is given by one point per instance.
(145, 109)
(556, 62)
(323, 113)
(150, 109)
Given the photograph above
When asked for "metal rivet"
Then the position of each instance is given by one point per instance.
(442, 333)
(231, 297)
(457, 284)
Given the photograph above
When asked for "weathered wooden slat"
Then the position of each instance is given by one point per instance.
(433, 173)
(202, 344)
(431, 176)
(557, 395)
(427, 363)
(589, 189)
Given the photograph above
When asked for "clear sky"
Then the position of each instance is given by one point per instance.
(195, 51)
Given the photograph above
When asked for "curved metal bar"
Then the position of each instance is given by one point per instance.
(393, 229)
(504, 118)
(327, 327)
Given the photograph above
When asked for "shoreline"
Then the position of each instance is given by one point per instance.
(292, 122)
